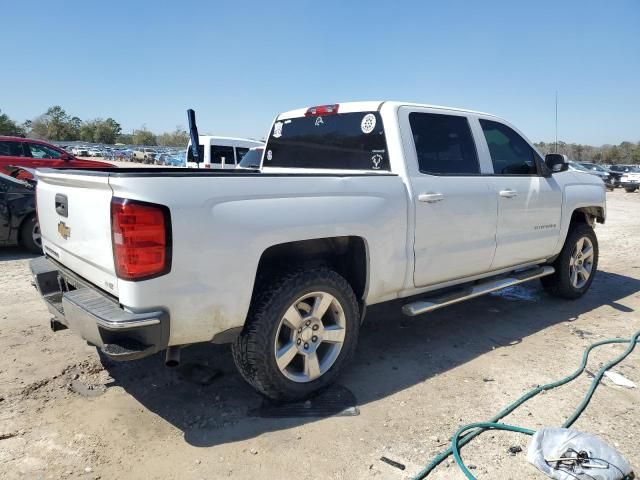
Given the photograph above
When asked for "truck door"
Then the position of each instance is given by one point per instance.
(455, 212)
(529, 205)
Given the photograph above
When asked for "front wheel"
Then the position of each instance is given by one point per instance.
(630, 190)
(575, 266)
(301, 331)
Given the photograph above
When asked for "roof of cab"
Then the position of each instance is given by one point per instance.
(204, 139)
(371, 106)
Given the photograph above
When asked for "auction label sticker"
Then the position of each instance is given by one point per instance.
(277, 130)
(368, 123)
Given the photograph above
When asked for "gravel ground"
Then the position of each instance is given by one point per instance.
(66, 414)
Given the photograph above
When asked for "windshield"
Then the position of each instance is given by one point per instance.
(345, 141)
(251, 159)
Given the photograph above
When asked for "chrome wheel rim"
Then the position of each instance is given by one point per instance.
(581, 263)
(310, 336)
(36, 236)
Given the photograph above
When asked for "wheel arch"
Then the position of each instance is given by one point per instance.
(588, 215)
(347, 255)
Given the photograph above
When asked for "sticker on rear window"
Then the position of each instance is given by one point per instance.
(368, 123)
(277, 130)
(269, 154)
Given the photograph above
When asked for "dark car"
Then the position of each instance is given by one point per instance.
(610, 178)
(18, 222)
(25, 152)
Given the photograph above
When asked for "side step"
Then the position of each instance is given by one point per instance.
(426, 305)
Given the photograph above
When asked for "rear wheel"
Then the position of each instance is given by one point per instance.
(301, 332)
(30, 237)
(575, 266)
(630, 190)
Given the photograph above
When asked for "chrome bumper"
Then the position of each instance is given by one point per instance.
(97, 317)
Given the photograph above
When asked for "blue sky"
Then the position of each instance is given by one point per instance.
(240, 63)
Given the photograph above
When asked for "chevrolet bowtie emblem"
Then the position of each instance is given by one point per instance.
(63, 230)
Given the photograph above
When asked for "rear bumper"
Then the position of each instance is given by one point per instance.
(97, 317)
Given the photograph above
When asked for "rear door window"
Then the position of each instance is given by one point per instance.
(11, 149)
(343, 141)
(219, 152)
(444, 144)
(510, 153)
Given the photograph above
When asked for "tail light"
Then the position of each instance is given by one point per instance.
(322, 110)
(141, 237)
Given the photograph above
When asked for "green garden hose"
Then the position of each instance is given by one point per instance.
(476, 429)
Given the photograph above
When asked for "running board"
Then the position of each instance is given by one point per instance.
(427, 305)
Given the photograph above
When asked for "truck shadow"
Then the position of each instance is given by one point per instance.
(15, 253)
(394, 353)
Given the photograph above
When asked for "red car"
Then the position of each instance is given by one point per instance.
(25, 152)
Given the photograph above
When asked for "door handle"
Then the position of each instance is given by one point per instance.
(430, 197)
(508, 193)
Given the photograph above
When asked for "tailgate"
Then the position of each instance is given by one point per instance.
(74, 211)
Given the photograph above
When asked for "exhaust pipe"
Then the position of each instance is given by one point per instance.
(172, 358)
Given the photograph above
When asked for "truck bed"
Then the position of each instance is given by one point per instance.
(221, 223)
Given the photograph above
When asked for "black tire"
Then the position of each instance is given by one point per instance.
(559, 284)
(254, 350)
(630, 190)
(27, 229)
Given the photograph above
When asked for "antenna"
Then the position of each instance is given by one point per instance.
(556, 149)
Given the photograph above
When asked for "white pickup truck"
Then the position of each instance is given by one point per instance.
(354, 204)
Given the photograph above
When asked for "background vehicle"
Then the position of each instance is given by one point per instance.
(220, 152)
(80, 151)
(252, 158)
(175, 159)
(357, 204)
(144, 155)
(18, 223)
(611, 179)
(605, 177)
(630, 179)
(25, 152)
(95, 152)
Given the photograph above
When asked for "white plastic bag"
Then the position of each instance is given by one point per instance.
(554, 443)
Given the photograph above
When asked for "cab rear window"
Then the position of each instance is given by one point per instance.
(344, 141)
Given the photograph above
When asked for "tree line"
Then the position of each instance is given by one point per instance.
(56, 125)
(624, 153)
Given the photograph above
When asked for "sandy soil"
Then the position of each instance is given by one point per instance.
(65, 414)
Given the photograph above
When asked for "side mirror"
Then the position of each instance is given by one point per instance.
(66, 156)
(556, 162)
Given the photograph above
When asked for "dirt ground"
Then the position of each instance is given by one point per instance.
(65, 414)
